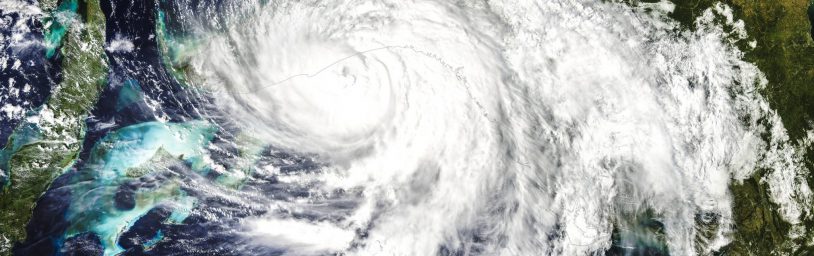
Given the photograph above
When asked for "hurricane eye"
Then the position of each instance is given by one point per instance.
(393, 127)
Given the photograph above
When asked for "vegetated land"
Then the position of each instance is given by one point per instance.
(36, 158)
(785, 54)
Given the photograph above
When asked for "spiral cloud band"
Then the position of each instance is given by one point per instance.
(498, 127)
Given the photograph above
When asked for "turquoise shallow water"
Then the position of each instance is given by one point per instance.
(128, 94)
(57, 25)
(166, 170)
(115, 160)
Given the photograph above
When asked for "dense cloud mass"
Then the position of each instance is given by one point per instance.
(385, 127)
(500, 127)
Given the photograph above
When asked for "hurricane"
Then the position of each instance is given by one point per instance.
(496, 127)
(428, 127)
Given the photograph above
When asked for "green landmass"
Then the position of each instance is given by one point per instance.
(38, 153)
(176, 51)
(784, 52)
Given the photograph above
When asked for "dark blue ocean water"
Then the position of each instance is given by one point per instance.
(141, 91)
(134, 76)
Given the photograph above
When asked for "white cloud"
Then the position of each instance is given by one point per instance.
(120, 44)
(532, 125)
